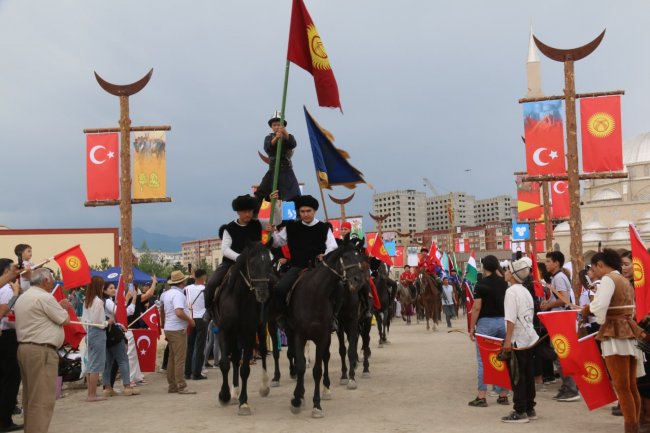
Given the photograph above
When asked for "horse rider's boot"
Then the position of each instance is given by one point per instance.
(207, 316)
(282, 308)
(337, 301)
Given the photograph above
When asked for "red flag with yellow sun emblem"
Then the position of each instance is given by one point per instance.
(592, 379)
(602, 139)
(641, 285)
(74, 267)
(561, 326)
(307, 51)
(495, 372)
(378, 250)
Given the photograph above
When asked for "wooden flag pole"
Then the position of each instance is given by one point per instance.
(548, 224)
(87, 324)
(322, 197)
(278, 151)
(38, 265)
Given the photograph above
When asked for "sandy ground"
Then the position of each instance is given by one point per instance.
(421, 382)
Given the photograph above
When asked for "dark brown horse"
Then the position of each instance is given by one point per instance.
(429, 298)
(406, 301)
(384, 314)
(348, 320)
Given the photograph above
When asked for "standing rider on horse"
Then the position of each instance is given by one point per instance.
(233, 241)
(308, 240)
(431, 265)
(346, 229)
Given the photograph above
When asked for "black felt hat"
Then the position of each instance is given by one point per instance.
(245, 202)
(306, 200)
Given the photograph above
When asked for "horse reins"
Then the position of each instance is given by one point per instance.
(343, 277)
(249, 281)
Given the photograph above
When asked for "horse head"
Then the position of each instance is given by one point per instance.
(345, 262)
(256, 270)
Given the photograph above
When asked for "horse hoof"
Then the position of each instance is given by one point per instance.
(343, 382)
(275, 384)
(387, 342)
(294, 410)
(302, 402)
(352, 384)
(317, 413)
(294, 376)
(234, 401)
(381, 345)
(264, 392)
(366, 375)
(223, 403)
(327, 395)
(244, 409)
(408, 324)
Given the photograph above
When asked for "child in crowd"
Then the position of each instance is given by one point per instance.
(24, 251)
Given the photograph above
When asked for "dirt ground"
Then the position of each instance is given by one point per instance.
(420, 382)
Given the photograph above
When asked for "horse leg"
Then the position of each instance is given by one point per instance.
(244, 408)
(273, 330)
(379, 322)
(326, 372)
(344, 368)
(291, 356)
(235, 358)
(353, 340)
(224, 363)
(365, 337)
(299, 391)
(307, 355)
(317, 371)
(387, 326)
(264, 386)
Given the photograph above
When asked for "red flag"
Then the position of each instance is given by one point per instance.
(457, 245)
(641, 285)
(469, 296)
(602, 139)
(370, 239)
(378, 250)
(592, 379)
(560, 199)
(495, 372)
(152, 318)
(399, 257)
(74, 267)
(103, 166)
(73, 333)
(375, 296)
(286, 252)
(336, 228)
(466, 243)
(265, 210)
(529, 201)
(539, 289)
(540, 233)
(120, 304)
(145, 342)
(544, 138)
(561, 326)
(307, 51)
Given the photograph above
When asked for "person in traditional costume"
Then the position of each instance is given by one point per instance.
(308, 240)
(233, 241)
(288, 187)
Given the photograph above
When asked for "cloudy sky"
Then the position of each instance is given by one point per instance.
(428, 89)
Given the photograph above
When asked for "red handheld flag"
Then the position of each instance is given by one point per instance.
(495, 372)
(73, 333)
(120, 304)
(641, 284)
(145, 342)
(307, 51)
(379, 251)
(336, 228)
(152, 318)
(74, 267)
(469, 296)
(102, 166)
(561, 326)
(539, 289)
(592, 379)
(602, 138)
(560, 199)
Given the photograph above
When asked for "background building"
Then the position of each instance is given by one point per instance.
(195, 251)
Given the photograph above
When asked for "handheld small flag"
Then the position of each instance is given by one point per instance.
(152, 318)
(145, 342)
(539, 289)
(495, 372)
(379, 251)
(120, 304)
(74, 267)
(470, 268)
(469, 296)
(561, 326)
(641, 285)
(74, 333)
(592, 379)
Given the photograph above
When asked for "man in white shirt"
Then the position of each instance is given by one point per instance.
(194, 358)
(177, 315)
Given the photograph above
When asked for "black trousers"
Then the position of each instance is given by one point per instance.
(393, 292)
(524, 390)
(165, 357)
(9, 376)
(213, 284)
(287, 281)
(196, 342)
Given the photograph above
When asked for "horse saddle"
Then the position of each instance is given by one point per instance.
(217, 294)
(302, 274)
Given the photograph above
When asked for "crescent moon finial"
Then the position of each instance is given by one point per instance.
(126, 89)
(342, 200)
(574, 54)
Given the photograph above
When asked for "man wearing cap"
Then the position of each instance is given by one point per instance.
(177, 316)
(309, 240)
(287, 182)
(233, 241)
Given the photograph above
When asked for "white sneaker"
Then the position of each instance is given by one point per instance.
(204, 371)
(493, 394)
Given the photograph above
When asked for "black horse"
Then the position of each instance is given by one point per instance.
(384, 314)
(239, 311)
(348, 319)
(311, 317)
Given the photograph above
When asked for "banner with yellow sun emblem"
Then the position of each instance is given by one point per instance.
(149, 176)
(602, 138)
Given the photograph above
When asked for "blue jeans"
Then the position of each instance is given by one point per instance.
(492, 327)
(117, 352)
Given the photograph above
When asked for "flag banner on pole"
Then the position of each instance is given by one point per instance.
(465, 246)
(74, 267)
(146, 341)
(506, 242)
(454, 264)
(152, 319)
(120, 304)
(390, 247)
(544, 138)
(445, 264)
(561, 326)
(539, 289)
(518, 246)
(378, 250)
(560, 198)
(602, 138)
(73, 333)
(457, 245)
(540, 236)
(306, 50)
(336, 228)
(470, 268)
(399, 257)
(332, 166)
(288, 210)
(520, 232)
(357, 226)
(103, 166)
(412, 256)
(265, 210)
(495, 372)
(149, 175)
(592, 379)
(641, 285)
(469, 297)
(529, 201)
(370, 239)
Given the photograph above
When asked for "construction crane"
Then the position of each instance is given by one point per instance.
(450, 210)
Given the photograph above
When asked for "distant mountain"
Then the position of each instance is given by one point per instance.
(157, 241)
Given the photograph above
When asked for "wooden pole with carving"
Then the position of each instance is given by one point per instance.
(341, 202)
(548, 223)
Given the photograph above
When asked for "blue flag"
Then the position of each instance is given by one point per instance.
(520, 232)
(288, 210)
(332, 167)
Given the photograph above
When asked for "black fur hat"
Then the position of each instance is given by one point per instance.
(245, 202)
(306, 200)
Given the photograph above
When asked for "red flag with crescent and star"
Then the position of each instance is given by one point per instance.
(307, 51)
(469, 297)
(592, 379)
(74, 267)
(399, 257)
(336, 228)
(151, 318)
(73, 333)
(560, 199)
(544, 138)
(495, 372)
(102, 166)
(561, 326)
(641, 264)
(602, 138)
(378, 250)
(145, 342)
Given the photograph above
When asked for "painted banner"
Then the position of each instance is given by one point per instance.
(357, 226)
(288, 210)
(390, 247)
(412, 256)
(560, 199)
(103, 166)
(544, 138)
(388, 236)
(520, 231)
(518, 246)
(399, 257)
(149, 175)
(602, 138)
(529, 201)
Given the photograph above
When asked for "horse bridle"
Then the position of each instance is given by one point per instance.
(250, 281)
(343, 277)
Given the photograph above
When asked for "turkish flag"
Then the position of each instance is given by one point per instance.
(540, 233)
(336, 228)
(120, 304)
(73, 333)
(378, 250)
(469, 296)
(102, 166)
(307, 51)
(539, 289)
(641, 284)
(602, 138)
(495, 372)
(74, 267)
(592, 379)
(399, 257)
(152, 318)
(529, 201)
(145, 342)
(560, 199)
(544, 138)
(561, 326)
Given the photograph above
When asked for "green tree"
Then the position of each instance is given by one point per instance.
(101, 267)
(151, 264)
(144, 246)
(178, 266)
(57, 277)
(207, 266)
